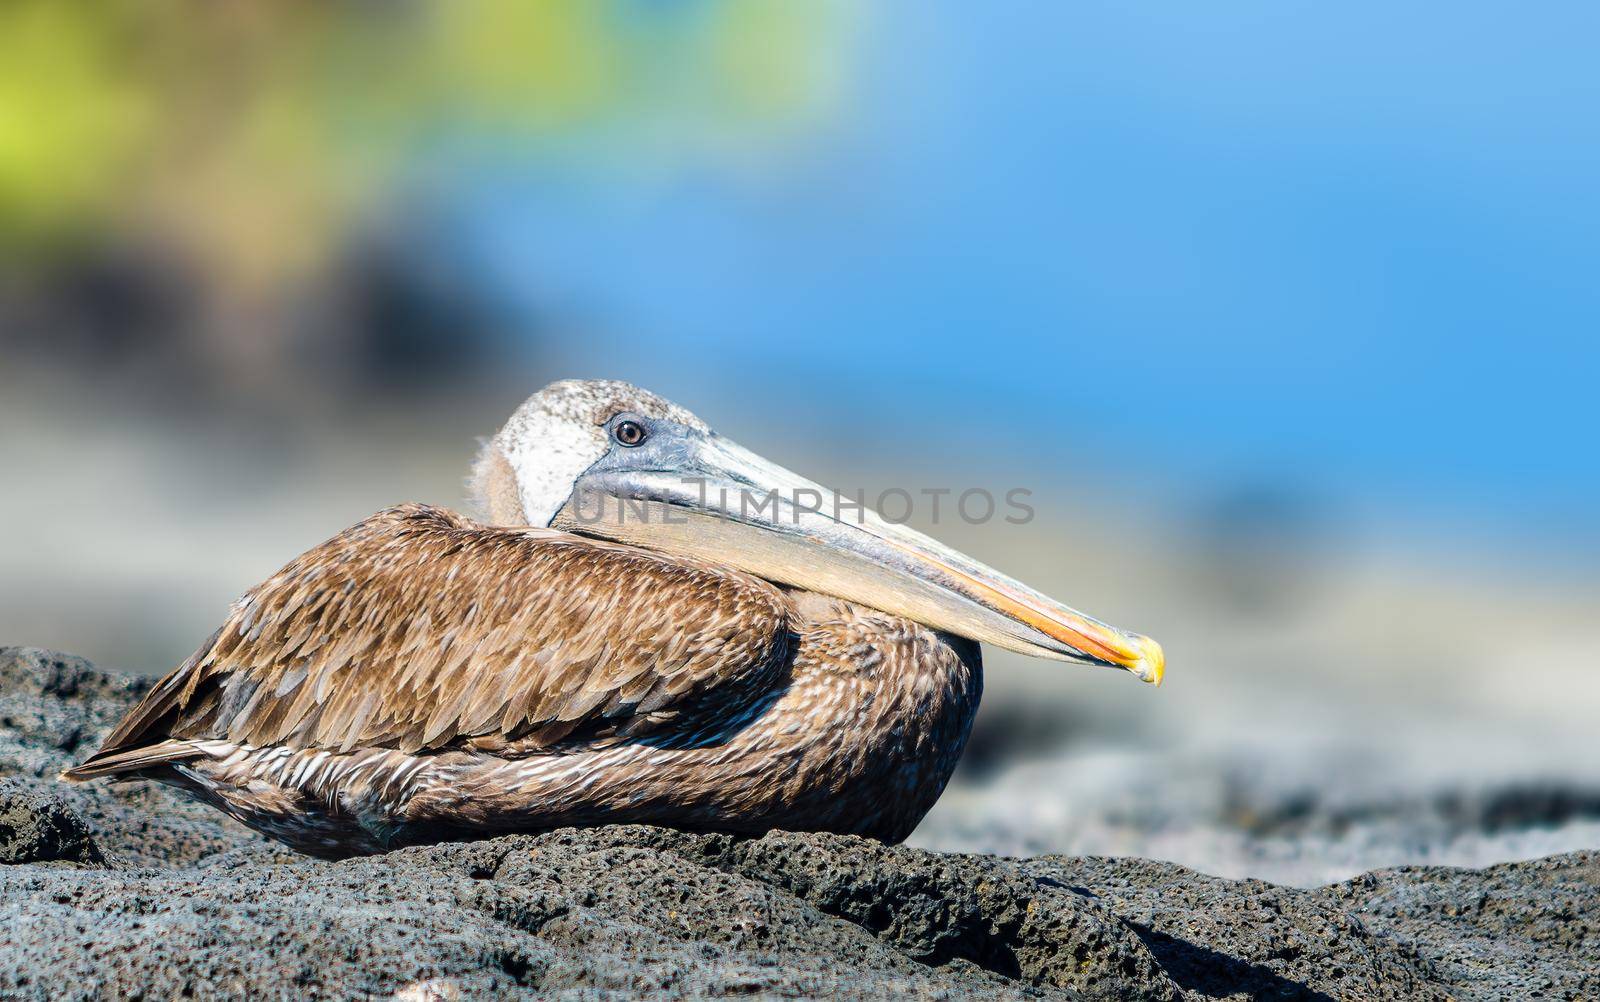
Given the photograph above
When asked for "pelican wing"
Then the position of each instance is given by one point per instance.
(420, 629)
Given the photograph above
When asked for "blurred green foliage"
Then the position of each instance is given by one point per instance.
(250, 133)
(72, 112)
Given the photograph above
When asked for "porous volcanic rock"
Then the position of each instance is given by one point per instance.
(133, 891)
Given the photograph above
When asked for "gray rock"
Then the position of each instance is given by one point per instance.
(1246, 939)
(1517, 930)
(54, 709)
(132, 891)
(39, 828)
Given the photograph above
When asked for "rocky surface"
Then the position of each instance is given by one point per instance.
(132, 891)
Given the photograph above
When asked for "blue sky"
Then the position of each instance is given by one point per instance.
(1352, 244)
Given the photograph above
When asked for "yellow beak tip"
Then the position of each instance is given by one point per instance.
(1151, 666)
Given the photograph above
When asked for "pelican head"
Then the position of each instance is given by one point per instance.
(608, 460)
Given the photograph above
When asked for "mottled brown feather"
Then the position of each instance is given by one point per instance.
(420, 629)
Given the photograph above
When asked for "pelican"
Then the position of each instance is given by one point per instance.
(650, 624)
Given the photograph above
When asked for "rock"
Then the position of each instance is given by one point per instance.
(1246, 939)
(1517, 930)
(134, 891)
(38, 828)
(54, 709)
(938, 909)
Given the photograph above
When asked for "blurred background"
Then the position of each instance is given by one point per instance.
(1286, 314)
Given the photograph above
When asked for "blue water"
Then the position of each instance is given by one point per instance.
(1351, 244)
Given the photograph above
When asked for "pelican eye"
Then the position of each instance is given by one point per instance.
(629, 433)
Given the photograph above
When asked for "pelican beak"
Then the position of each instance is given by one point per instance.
(725, 504)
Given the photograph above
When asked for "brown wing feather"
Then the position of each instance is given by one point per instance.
(418, 629)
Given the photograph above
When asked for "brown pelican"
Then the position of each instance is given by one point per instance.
(656, 626)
